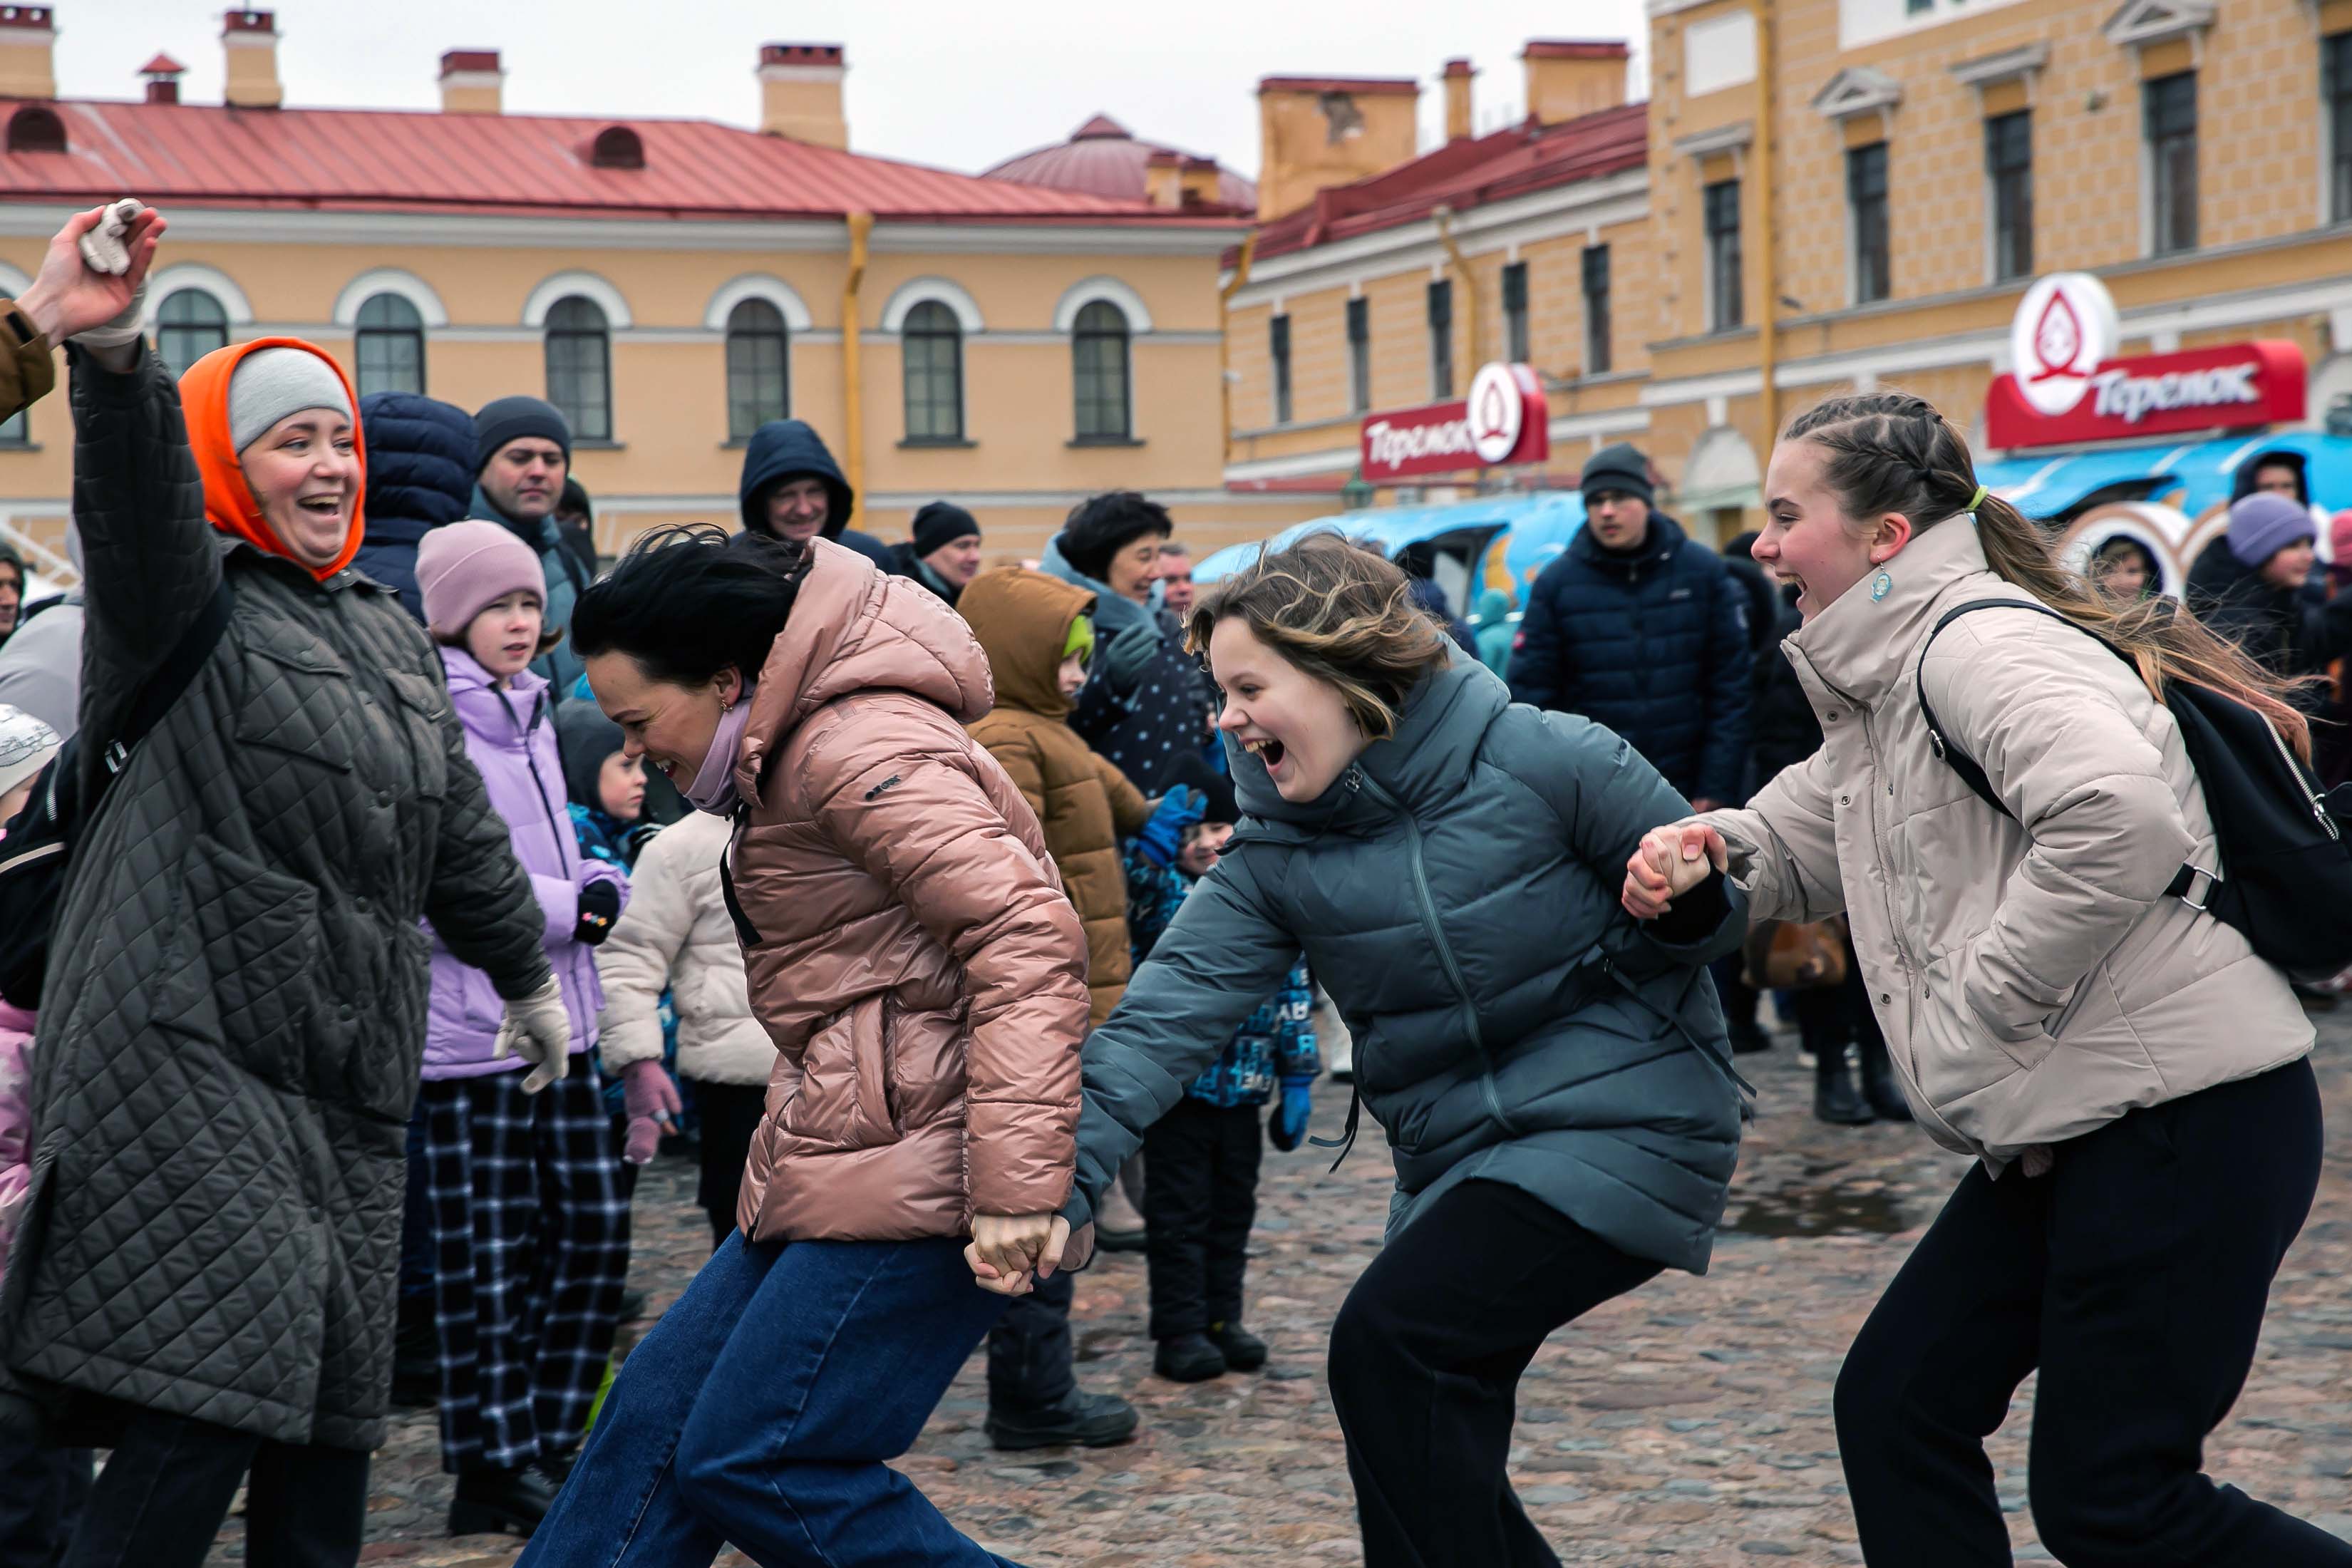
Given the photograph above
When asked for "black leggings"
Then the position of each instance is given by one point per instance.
(168, 1485)
(1426, 1355)
(2134, 1275)
(731, 1114)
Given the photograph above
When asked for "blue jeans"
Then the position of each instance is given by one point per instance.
(760, 1410)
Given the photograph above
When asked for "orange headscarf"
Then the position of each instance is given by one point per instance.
(229, 505)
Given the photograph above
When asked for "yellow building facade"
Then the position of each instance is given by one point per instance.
(674, 283)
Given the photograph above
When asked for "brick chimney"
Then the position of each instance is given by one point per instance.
(1198, 182)
(250, 37)
(163, 74)
(1163, 178)
(1568, 78)
(471, 81)
(800, 93)
(28, 44)
(1317, 132)
(1457, 99)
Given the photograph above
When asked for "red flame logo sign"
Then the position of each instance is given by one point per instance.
(2058, 340)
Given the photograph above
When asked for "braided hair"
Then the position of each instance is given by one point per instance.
(1894, 452)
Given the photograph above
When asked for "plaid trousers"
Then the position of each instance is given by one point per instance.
(531, 1244)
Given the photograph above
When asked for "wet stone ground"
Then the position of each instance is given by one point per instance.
(1689, 1423)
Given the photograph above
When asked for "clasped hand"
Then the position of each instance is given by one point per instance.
(1669, 862)
(1009, 1253)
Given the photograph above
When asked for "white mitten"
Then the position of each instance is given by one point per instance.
(102, 249)
(539, 1029)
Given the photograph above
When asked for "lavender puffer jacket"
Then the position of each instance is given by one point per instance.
(511, 736)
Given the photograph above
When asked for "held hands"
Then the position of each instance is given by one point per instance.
(1004, 1251)
(69, 298)
(1670, 862)
(539, 1029)
(652, 1106)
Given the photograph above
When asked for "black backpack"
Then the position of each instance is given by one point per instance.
(2285, 879)
(36, 854)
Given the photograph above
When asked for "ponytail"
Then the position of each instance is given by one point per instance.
(1892, 452)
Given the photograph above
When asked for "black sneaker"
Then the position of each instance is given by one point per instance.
(1242, 1350)
(1837, 1101)
(1188, 1358)
(493, 1501)
(1082, 1420)
(632, 1307)
(1747, 1037)
(1108, 1240)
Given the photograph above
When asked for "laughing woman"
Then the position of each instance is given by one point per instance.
(1551, 1074)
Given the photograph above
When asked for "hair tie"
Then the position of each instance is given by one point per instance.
(1977, 499)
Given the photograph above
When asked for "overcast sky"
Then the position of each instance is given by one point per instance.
(951, 84)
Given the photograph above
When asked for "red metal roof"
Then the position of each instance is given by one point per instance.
(1103, 158)
(350, 160)
(162, 65)
(1468, 173)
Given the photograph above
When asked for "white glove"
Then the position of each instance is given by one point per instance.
(102, 249)
(539, 1029)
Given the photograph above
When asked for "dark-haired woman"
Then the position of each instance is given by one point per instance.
(910, 952)
(2130, 1075)
(1552, 1077)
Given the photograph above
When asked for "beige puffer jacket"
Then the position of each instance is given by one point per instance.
(908, 943)
(676, 936)
(2034, 982)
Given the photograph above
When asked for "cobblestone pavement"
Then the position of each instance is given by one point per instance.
(1689, 1423)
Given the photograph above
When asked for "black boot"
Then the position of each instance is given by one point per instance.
(1747, 1037)
(1836, 1099)
(493, 1501)
(1243, 1351)
(1879, 1084)
(1082, 1420)
(1188, 1358)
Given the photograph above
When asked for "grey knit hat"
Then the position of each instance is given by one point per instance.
(271, 384)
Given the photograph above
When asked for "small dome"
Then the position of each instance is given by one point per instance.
(1104, 158)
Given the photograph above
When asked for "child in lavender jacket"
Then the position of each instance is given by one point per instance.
(530, 1221)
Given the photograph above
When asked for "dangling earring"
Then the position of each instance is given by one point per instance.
(1881, 586)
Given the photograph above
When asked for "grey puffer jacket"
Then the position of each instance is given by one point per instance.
(231, 1028)
(1456, 894)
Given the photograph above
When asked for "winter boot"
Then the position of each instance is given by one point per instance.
(1243, 1351)
(1836, 1099)
(491, 1501)
(1188, 1358)
(1879, 1084)
(1081, 1420)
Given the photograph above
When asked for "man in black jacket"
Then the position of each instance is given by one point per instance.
(1637, 627)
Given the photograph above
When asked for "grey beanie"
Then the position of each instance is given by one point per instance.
(271, 384)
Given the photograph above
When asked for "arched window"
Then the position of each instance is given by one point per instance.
(391, 344)
(759, 373)
(35, 130)
(617, 147)
(932, 343)
(1098, 369)
(189, 324)
(580, 367)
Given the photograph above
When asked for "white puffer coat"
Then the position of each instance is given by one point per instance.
(675, 934)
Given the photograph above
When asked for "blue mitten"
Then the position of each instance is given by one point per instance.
(1163, 836)
(1288, 1126)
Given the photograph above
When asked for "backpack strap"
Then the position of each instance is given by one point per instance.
(171, 679)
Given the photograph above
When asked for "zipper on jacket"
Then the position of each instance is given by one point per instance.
(539, 785)
(1894, 919)
(1445, 953)
(2294, 771)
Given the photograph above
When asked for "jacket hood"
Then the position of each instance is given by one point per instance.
(541, 536)
(1023, 621)
(1493, 606)
(229, 505)
(2243, 482)
(856, 629)
(586, 737)
(1666, 536)
(420, 455)
(779, 450)
(1861, 646)
(1113, 613)
(1437, 736)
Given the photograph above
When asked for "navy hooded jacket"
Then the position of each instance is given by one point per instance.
(420, 477)
(785, 448)
(1653, 643)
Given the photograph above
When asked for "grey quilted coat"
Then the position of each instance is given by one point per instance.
(1456, 891)
(230, 1034)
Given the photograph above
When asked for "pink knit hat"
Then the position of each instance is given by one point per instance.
(466, 567)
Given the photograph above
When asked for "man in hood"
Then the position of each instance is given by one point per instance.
(944, 553)
(1637, 627)
(793, 489)
(422, 456)
(2275, 472)
(522, 455)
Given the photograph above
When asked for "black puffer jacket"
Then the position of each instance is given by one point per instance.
(420, 459)
(2287, 630)
(233, 1022)
(1653, 644)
